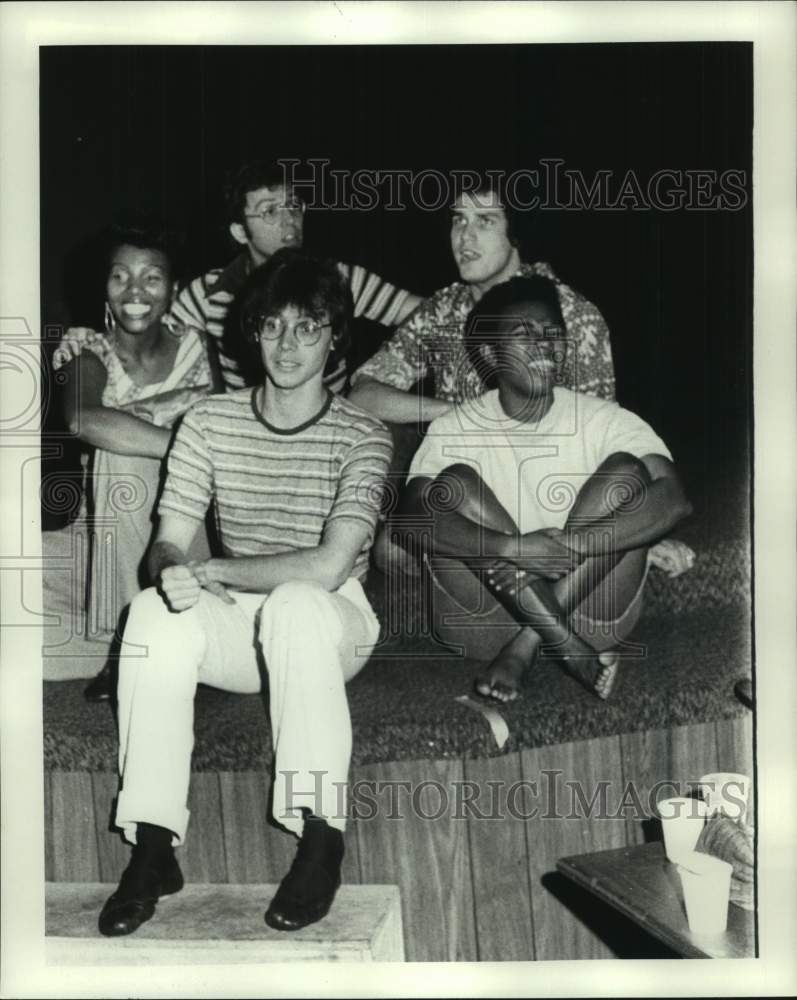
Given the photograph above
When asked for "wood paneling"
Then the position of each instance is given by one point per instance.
(735, 744)
(646, 763)
(75, 857)
(202, 855)
(567, 777)
(254, 851)
(427, 858)
(499, 862)
(113, 852)
(471, 887)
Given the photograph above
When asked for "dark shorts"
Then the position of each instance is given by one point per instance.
(466, 616)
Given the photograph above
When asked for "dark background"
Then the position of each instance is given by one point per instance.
(153, 127)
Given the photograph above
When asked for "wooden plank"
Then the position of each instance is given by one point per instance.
(693, 753)
(428, 858)
(567, 778)
(75, 834)
(253, 850)
(661, 764)
(202, 856)
(213, 924)
(49, 833)
(497, 836)
(113, 852)
(645, 758)
(735, 752)
(735, 744)
(256, 850)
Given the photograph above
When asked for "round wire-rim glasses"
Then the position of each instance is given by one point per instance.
(271, 214)
(306, 330)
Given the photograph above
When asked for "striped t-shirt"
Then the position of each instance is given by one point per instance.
(204, 302)
(275, 489)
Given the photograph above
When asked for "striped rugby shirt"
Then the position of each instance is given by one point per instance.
(204, 302)
(276, 490)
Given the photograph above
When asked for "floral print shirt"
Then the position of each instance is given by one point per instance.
(431, 339)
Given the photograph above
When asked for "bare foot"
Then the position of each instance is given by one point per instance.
(501, 680)
(596, 673)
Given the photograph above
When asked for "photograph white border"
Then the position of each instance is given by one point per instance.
(771, 27)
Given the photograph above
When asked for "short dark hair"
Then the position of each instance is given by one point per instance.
(485, 181)
(250, 177)
(484, 319)
(147, 233)
(288, 278)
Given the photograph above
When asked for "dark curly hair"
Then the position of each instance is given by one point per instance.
(486, 318)
(250, 177)
(288, 278)
(147, 233)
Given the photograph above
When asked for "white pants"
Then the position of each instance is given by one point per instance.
(312, 642)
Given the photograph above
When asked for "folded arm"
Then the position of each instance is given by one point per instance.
(329, 563)
(648, 507)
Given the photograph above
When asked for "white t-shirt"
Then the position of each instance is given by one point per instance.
(535, 469)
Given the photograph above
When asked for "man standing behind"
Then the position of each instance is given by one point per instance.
(295, 473)
(485, 244)
(264, 216)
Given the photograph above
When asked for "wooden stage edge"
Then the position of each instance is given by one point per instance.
(471, 844)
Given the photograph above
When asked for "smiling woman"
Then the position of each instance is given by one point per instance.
(123, 390)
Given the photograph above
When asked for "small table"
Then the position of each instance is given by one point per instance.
(643, 885)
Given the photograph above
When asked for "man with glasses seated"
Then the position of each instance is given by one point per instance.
(295, 472)
(264, 216)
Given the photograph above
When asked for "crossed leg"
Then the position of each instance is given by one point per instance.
(600, 588)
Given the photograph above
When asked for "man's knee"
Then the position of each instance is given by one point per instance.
(459, 487)
(302, 609)
(301, 598)
(151, 622)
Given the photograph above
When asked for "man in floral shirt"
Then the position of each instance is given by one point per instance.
(484, 242)
(485, 249)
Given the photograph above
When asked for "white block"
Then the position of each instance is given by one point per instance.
(223, 924)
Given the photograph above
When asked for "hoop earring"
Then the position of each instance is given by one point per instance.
(110, 319)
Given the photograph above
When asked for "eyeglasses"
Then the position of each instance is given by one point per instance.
(272, 214)
(307, 331)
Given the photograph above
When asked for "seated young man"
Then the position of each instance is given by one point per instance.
(293, 470)
(539, 505)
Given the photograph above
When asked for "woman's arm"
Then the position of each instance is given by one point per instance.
(102, 426)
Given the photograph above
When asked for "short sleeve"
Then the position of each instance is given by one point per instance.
(188, 489)
(401, 361)
(588, 367)
(187, 307)
(430, 458)
(377, 299)
(625, 431)
(362, 478)
(78, 339)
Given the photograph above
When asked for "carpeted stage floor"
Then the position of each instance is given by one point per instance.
(696, 631)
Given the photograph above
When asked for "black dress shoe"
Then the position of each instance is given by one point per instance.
(307, 891)
(103, 686)
(145, 879)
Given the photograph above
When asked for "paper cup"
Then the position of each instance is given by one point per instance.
(682, 819)
(726, 792)
(706, 883)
